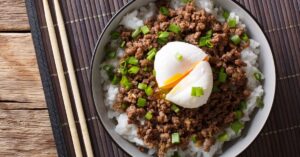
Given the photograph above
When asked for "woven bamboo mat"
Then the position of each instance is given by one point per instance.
(84, 20)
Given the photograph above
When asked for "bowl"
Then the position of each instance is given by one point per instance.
(266, 62)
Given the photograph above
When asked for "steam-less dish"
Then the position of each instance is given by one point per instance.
(181, 78)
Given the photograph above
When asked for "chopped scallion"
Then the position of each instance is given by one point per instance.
(112, 54)
(142, 86)
(237, 126)
(115, 80)
(141, 102)
(145, 29)
(164, 11)
(223, 137)
(179, 57)
(194, 138)
(231, 22)
(238, 114)
(134, 70)
(109, 69)
(174, 28)
(222, 77)
(235, 39)
(125, 82)
(151, 54)
(115, 35)
(243, 105)
(245, 37)
(259, 102)
(175, 108)
(197, 91)
(149, 115)
(123, 70)
(154, 72)
(175, 138)
(206, 40)
(136, 32)
(149, 91)
(186, 1)
(132, 61)
(123, 44)
(225, 14)
(163, 36)
(258, 76)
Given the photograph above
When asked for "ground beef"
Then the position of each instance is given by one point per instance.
(205, 122)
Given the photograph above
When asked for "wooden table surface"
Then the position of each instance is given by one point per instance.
(25, 128)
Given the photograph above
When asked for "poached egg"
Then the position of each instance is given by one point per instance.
(180, 67)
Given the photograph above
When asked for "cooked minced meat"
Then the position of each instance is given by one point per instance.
(202, 123)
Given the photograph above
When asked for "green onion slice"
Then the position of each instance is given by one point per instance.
(163, 35)
(259, 102)
(174, 28)
(243, 105)
(222, 77)
(115, 35)
(164, 11)
(123, 70)
(134, 70)
(194, 138)
(125, 82)
(123, 44)
(231, 22)
(245, 37)
(112, 54)
(141, 102)
(238, 114)
(149, 91)
(136, 33)
(145, 29)
(258, 76)
(179, 57)
(151, 54)
(235, 39)
(142, 86)
(175, 108)
(175, 138)
(115, 80)
(186, 1)
(237, 126)
(132, 61)
(223, 137)
(149, 115)
(225, 14)
(197, 91)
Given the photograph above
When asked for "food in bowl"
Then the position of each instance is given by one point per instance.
(181, 78)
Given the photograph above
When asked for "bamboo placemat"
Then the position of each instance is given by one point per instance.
(84, 20)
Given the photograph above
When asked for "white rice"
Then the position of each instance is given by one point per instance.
(249, 55)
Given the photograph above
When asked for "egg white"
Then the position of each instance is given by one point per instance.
(200, 76)
(167, 65)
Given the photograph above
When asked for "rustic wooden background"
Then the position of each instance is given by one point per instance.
(25, 128)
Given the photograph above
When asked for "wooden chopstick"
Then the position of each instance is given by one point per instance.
(73, 80)
(62, 80)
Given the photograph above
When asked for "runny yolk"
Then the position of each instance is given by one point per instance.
(172, 81)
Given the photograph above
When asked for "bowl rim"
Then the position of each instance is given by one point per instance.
(108, 24)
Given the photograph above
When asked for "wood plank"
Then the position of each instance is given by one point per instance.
(20, 85)
(13, 16)
(26, 133)
(24, 121)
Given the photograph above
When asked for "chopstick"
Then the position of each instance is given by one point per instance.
(62, 80)
(73, 80)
